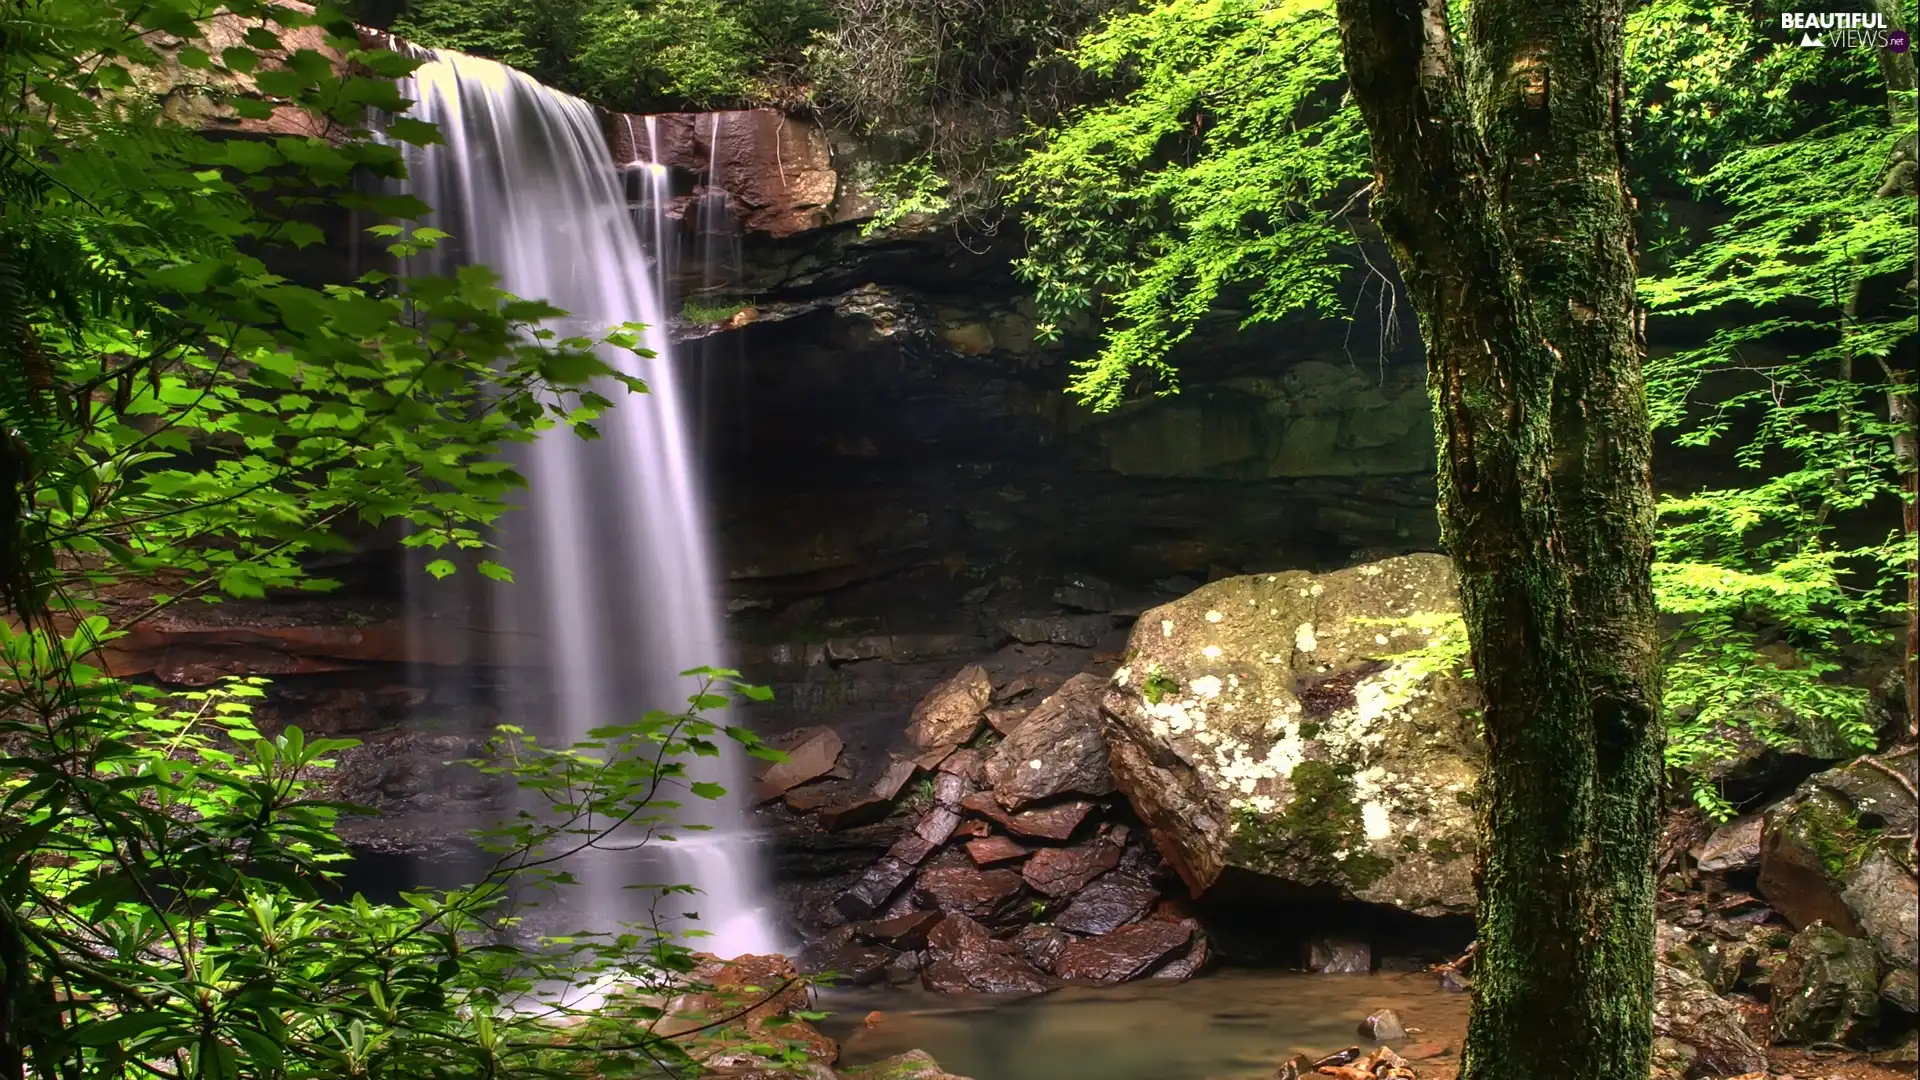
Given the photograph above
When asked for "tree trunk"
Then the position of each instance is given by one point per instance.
(1902, 181)
(1500, 186)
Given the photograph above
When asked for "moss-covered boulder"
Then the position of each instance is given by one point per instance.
(1311, 728)
(1838, 852)
(1827, 990)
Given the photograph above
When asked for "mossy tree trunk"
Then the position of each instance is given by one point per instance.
(1499, 185)
(1902, 181)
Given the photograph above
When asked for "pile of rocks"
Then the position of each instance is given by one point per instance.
(1291, 728)
(1824, 955)
(1020, 867)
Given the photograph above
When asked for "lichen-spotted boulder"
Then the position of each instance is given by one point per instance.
(1306, 727)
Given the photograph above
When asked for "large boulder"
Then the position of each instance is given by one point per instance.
(1827, 990)
(1306, 727)
(1836, 853)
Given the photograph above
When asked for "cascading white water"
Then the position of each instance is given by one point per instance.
(614, 592)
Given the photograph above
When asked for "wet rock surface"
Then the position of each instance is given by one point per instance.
(1125, 953)
(985, 895)
(965, 956)
(1056, 750)
(1108, 903)
(1061, 872)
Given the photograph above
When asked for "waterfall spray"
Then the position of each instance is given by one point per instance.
(615, 589)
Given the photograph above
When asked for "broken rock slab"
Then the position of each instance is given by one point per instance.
(987, 896)
(1732, 847)
(1124, 954)
(1057, 750)
(966, 957)
(1107, 904)
(812, 755)
(953, 711)
(996, 851)
(1056, 822)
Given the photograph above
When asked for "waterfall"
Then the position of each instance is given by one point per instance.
(614, 590)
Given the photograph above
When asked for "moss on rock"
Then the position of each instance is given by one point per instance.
(1299, 726)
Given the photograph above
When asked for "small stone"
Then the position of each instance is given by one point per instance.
(899, 773)
(983, 895)
(1338, 1058)
(937, 824)
(874, 888)
(1042, 945)
(862, 810)
(1733, 846)
(996, 850)
(1425, 1051)
(950, 789)
(966, 763)
(1184, 967)
(1382, 1025)
(902, 931)
(911, 849)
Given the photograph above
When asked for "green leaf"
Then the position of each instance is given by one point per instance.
(417, 132)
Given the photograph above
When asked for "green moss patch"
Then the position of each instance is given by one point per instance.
(1321, 821)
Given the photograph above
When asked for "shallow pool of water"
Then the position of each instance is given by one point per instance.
(1234, 1025)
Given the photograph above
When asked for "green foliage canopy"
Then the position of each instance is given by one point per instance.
(1226, 171)
(184, 423)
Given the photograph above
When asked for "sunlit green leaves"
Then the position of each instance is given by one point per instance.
(197, 426)
(1227, 166)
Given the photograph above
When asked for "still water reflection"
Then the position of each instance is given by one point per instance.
(1236, 1025)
